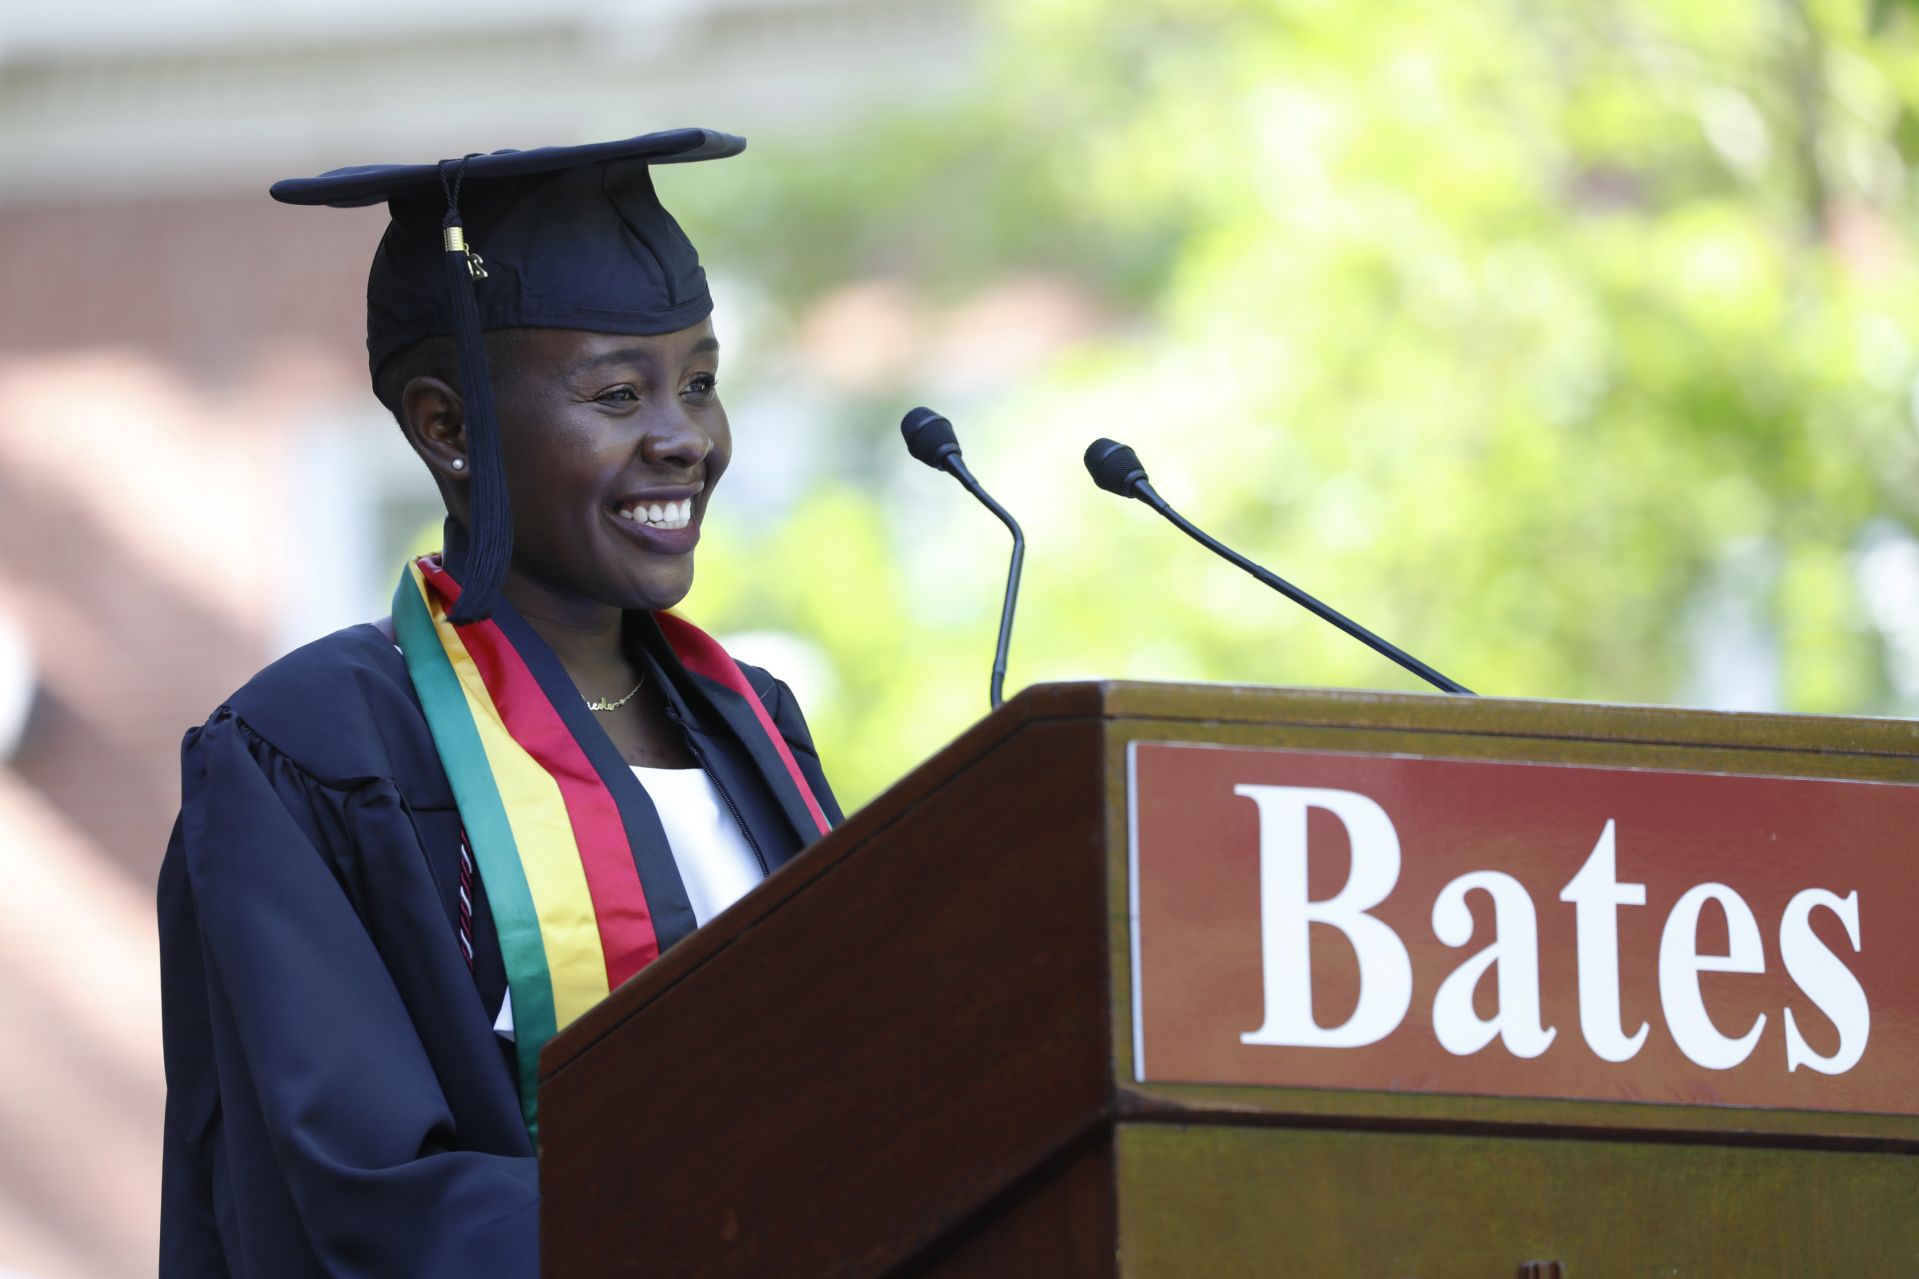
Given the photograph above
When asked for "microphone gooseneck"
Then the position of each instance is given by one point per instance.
(1117, 469)
(929, 437)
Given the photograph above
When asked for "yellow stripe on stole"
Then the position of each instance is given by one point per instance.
(549, 854)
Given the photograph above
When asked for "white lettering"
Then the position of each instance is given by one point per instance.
(1385, 969)
(1680, 964)
(1826, 981)
(1597, 894)
(1515, 948)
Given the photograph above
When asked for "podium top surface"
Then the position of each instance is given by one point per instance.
(1445, 713)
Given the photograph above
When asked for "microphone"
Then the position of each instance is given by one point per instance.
(929, 437)
(1116, 468)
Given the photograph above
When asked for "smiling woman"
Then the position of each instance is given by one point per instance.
(413, 851)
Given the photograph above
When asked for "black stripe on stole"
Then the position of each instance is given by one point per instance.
(743, 725)
(746, 727)
(659, 874)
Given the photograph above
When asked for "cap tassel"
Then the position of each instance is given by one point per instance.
(489, 513)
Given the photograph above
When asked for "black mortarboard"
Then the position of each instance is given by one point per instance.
(557, 238)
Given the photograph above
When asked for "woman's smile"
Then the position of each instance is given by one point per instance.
(664, 521)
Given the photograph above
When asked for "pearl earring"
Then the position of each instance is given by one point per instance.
(459, 464)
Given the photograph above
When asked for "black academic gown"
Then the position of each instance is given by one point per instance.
(337, 1101)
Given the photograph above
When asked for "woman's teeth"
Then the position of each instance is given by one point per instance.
(660, 514)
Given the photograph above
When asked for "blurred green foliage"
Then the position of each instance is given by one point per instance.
(1571, 345)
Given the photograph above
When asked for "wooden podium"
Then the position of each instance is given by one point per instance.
(1037, 1010)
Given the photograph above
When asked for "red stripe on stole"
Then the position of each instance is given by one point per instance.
(612, 878)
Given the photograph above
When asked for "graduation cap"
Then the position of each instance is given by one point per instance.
(557, 237)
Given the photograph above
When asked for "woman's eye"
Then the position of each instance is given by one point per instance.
(618, 395)
(702, 385)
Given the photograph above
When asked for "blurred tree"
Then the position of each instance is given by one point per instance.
(1571, 345)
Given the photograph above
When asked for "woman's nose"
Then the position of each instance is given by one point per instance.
(674, 439)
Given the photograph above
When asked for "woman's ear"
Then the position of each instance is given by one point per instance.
(436, 426)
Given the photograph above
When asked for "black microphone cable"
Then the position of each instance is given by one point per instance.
(1117, 469)
(929, 437)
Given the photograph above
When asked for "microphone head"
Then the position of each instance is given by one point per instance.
(929, 437)
(1114, 467)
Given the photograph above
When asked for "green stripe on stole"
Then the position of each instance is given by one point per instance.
(488, 832)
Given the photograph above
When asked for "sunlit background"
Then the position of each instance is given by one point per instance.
(1571, 345)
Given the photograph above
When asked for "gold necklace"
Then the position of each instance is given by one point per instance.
(603, 705)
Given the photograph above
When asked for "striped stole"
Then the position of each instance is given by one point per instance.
(554, 846)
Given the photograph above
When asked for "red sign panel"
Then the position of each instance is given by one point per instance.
(1527, 930)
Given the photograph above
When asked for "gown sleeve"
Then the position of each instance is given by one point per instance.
(306, 1129)
(785, 710)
